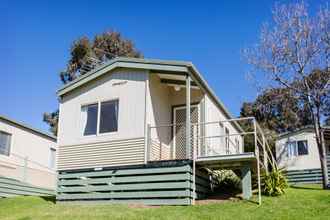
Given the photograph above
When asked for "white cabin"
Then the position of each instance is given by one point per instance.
(27, 154)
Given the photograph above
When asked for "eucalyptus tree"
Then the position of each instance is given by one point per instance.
(86, 55)
(293, 53)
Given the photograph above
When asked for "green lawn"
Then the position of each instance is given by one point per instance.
(309, 202)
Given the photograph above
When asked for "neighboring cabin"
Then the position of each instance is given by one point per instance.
(297, 153)
(27, 156)
(132, 117)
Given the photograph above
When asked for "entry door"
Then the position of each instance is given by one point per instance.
(179, 119)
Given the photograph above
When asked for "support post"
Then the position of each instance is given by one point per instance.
(246, 182)
(188, 121)
(148, 144)
(258, 159)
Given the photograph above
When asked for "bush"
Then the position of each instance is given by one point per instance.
(225, 180)
(273, 183)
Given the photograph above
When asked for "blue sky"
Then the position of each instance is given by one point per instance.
(36, 36)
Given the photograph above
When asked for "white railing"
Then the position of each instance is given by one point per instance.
(168, 142)
(226, 137)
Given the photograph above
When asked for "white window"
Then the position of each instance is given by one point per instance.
(5, 140)
(109, 116)
(52, 158)
(297, 148)
(95, 121)
(89, 119)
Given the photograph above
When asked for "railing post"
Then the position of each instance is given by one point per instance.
(265, 153)
(194, 167)
(148, 143)
(258, 159)
(188, 122)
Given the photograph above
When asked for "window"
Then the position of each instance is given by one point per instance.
(109, 116)
(302, 147)
(297, 148)
(237, 145)
(5, 140)
(52, 158)
(103, 121)
(89, 119)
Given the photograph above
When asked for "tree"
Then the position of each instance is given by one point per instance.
(278, 110)
(292, 52)
(84, 53)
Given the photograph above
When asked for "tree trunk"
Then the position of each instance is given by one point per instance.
(324, 163)
(322, 152)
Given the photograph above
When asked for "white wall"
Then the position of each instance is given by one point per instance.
(216, 146)
(34, 147)
(123, 147)
(131, 96)
(301, 162)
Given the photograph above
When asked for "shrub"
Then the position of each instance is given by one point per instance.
(225, 180)
(273, 183)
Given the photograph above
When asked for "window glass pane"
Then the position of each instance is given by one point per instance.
(89, 119)
(5, 143)
(109, 116)
(292, 149)
(302, 148)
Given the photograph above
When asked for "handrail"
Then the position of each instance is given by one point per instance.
(201, 143)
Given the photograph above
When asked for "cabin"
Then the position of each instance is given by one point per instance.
(297, 153)
(143, 131)
(27, 160)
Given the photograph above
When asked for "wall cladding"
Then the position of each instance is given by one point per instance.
(11, 187)
(307, 175)
(104, 154)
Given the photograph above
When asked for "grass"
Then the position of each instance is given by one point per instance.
(304, 202)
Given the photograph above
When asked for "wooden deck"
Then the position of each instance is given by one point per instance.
(226, 161)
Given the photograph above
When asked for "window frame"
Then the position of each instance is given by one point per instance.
(306, 146)
(82, 129)
(98, 103)
(10, 143)
(295, 150)
(99, 117)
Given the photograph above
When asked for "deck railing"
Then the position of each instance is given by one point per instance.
(217, 138)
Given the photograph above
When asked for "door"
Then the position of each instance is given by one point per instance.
(179, 139)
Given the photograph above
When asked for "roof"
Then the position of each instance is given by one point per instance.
(27, 127)
(307, 128)
(150, 64)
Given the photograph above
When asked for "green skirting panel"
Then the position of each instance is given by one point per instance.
(305, 176)
(11, 187)
(165, 184)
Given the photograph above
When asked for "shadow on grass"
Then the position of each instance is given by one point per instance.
(51, 199)
(312, 187)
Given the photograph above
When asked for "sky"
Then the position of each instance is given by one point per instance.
(35, 39)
